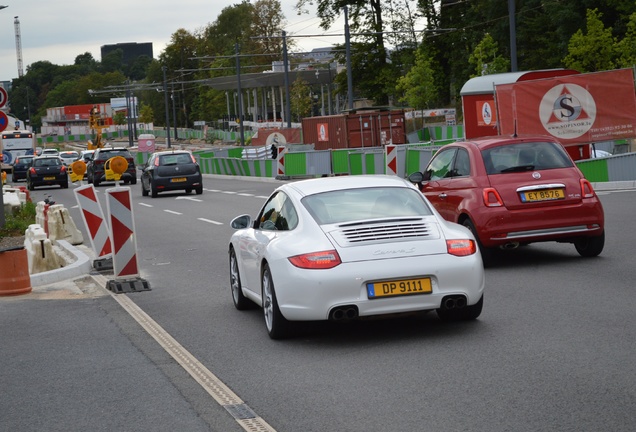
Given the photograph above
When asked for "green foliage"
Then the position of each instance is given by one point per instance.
(146, 115)
(300, 100)
(594, 50)
(418, 85)
(486, 58)
(17, 223)
(459, 39)
(119, 118)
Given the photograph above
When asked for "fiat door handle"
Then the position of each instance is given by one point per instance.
(443, 196)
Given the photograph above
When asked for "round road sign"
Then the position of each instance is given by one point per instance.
(4, 97)
(4, 121)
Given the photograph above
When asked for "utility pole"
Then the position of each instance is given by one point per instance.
(513, 35)
(240, 93)
(348, 53)
(286, 69)
(165, 95)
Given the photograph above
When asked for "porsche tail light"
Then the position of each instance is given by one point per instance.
(587, 191)
(63, 169)
(316, 260)
(462, 247)
(492, 198)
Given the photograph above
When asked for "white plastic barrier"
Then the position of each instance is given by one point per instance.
(61, 225)
(40, 253)
(11, 202)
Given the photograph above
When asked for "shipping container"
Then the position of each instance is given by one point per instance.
(370, 127)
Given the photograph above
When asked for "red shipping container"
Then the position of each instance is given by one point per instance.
(361, 128)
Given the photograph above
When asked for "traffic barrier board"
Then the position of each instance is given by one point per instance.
(391, 159)
(123, 239)
(93, 217)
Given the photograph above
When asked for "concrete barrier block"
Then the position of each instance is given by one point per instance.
(61, 225)
(40, 254)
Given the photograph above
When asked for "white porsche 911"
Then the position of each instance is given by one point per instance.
(339, 248)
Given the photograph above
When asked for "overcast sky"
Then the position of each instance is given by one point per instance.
(59, 31)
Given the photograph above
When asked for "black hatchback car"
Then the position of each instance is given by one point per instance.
(20, 167)
(169, 171)
(47, 171)
(96, 172)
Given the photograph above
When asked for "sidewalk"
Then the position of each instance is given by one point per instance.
(74, 360)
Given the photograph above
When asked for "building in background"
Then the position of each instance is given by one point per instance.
(131, 50)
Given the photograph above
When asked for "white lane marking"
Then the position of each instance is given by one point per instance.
(189, 198)
(246, 195)
(229, 192)
(261, 196)
(210, 221)
(173, 212)
(146, 205)
(216, 388)
(213, 190)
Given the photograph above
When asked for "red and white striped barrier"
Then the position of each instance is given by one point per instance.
(280, 161)
(124, 242)
(96, 225)
(391, 159)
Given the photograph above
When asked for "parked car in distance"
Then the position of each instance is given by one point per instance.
(47, 171)
(513, 191)
(96, 172)
(169, 171)
(340, 248)
(69, 156)
(20, 167)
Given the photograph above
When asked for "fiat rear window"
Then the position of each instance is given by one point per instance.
(527, 156)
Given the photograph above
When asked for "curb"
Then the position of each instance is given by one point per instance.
(614, 185)
(81, 266)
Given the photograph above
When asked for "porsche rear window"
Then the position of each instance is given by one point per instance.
(368, 203)
(525, 157)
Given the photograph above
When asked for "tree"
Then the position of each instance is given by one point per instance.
(418, 85)
(300, 99)
(626, 47)
(146, 114)
(486, 58)
(592, 51)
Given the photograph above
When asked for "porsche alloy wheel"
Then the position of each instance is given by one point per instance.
(277, 325)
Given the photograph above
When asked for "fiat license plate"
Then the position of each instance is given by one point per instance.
(49, 178)
(543, 195)
(178, 179)
(399, 287)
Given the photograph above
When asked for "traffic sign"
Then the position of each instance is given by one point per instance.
(4, 121)
(4, 97)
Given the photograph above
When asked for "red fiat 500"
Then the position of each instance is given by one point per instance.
(511, 191)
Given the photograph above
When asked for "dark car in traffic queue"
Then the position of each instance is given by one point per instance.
(96, 169)
(47, 171)
(20, 167)
(511, 191)
(171, 170)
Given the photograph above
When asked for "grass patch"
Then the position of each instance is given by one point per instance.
(17, 223)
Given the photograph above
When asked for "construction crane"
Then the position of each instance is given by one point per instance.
(96, 123)
(18, 46)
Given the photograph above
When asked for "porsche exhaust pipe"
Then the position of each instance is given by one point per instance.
(343, 313)
(454, 302)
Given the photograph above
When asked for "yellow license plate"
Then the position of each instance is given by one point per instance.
(178, 179)
(49, 178)
(399, 287)
(543, 195)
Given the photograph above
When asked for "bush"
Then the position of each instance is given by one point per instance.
(17, 223)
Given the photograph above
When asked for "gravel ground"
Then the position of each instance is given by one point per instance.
(11, 242)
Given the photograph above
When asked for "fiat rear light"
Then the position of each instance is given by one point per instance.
(492, 198)
(462, 247)
(587, 191)
(316, 260)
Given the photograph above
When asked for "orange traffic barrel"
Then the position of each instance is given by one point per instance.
(14, 272)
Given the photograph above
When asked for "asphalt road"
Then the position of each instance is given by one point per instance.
(552, 351)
